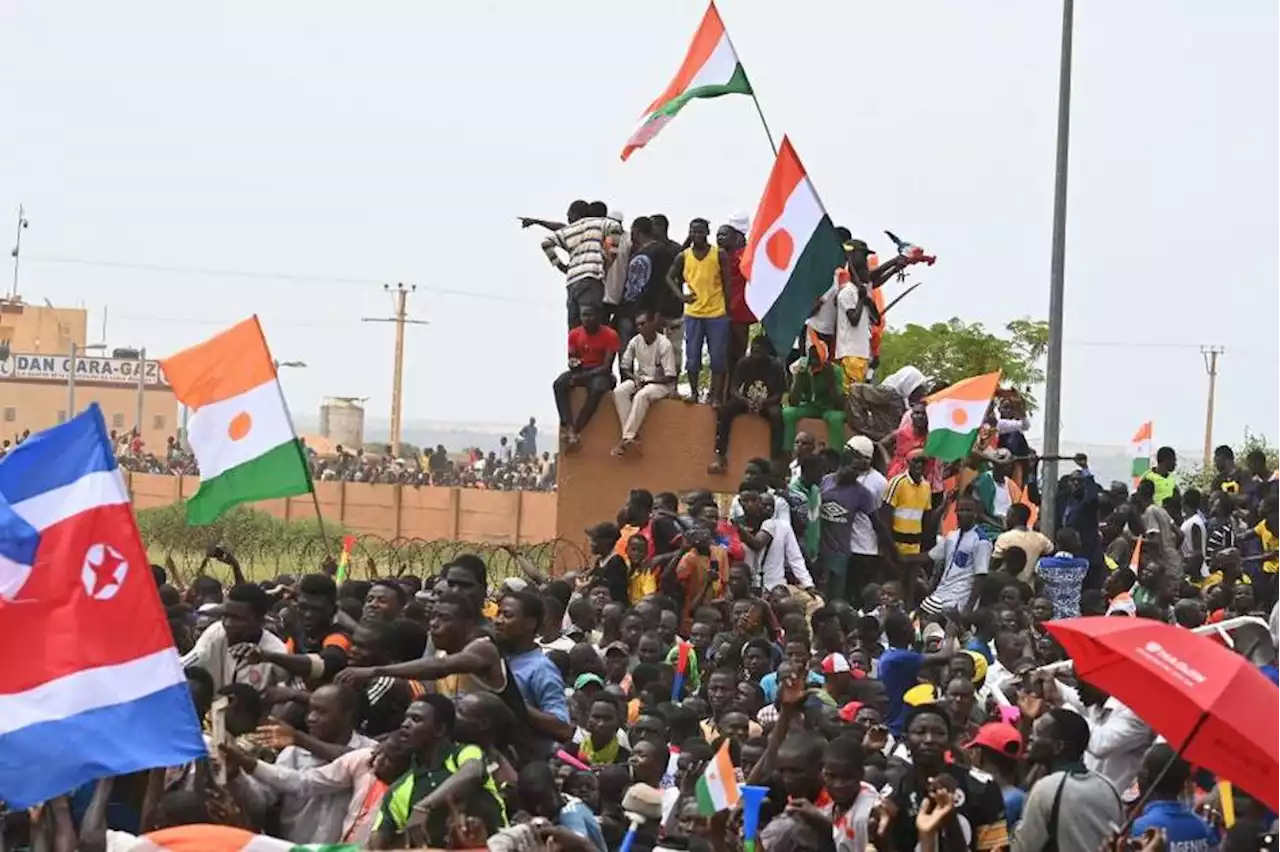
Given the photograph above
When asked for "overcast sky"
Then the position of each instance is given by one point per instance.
(398, 141)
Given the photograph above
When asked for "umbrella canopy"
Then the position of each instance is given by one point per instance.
(1204, 699)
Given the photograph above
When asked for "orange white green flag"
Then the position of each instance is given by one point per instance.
(710, 69)
(240, 429)
(792, 250)
(717, 789)
(955, 415)
(1140, 449)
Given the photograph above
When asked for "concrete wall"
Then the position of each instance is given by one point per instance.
(394, 511)
(678, 442)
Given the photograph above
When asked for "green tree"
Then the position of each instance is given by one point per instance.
(1198, 477)
(954, 350)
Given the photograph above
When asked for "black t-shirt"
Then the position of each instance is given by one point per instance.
(979, 810)
(1236, 482)
(667, 534)
(657, 295)
(614, 573)
(757, 378)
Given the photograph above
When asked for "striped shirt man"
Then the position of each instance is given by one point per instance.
(584, 242)
(910, 501)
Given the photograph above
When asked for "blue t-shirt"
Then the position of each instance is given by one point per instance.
(541, 687)
(1014, 800)
(1185, 831)
(769, 684)
(840, 504)
(579, 819)
(1271, 673)
(899, 671)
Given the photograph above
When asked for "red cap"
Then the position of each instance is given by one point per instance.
(849, 712)
(1000, 737)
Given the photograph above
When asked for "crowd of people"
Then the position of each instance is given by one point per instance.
(513, 466)
(868, 649)
(862, 630)
(637, 300)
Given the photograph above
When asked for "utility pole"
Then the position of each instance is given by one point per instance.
(23, 224)
(1057, 270)
(1210, 354)
(400, 295)
(142, 386)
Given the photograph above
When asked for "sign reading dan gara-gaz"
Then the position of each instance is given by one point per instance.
(57, 368)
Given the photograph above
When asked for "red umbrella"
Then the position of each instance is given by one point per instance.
(1211, 704)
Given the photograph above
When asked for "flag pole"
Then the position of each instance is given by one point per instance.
(755, 100)
(311, 486)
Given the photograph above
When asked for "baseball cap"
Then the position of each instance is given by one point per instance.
(835, 663)
(849, 712)
(979, 667)
(1000, 737)
(857, 245)
(920, 694)
(861, 445)
(739, 222)
(587, 678)
(933, 630)
(619, 646)
(515, 584)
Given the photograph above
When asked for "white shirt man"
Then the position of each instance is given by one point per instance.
(961, 557)
(852, 341)
(212, 653)
(1118, 740)
(769, 565)
(823, 320)
(862, 536)
(648, 366)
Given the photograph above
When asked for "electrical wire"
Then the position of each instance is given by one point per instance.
(265, 276)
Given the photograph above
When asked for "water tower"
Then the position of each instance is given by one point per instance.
(342, 420)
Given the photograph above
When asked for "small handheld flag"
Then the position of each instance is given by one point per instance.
(1140, 448)
(955, 415)
(717, 789)
(241, 431)
(682, 668)
(344, 561)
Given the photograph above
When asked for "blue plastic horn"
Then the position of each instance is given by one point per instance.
(752, 797)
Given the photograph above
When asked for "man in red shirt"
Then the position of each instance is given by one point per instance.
(732, 237)
(592, 350)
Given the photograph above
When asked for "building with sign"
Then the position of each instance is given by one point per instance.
(37, 391)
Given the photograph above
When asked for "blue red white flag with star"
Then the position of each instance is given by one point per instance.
(97, 689)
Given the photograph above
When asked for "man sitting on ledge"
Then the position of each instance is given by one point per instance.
(592, 349)
(648, 369)
(758, 385)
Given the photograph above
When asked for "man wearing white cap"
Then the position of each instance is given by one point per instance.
(865, 563)
(732, 237)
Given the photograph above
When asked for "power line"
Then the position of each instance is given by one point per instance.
(264, 276)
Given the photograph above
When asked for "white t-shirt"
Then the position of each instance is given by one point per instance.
(1195, 521)
(849, 829)
(783, 552)
(851, 340)
(862, 536)
(824, 321)
(963, 555)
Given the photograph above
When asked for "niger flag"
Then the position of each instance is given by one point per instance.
(791, 253)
